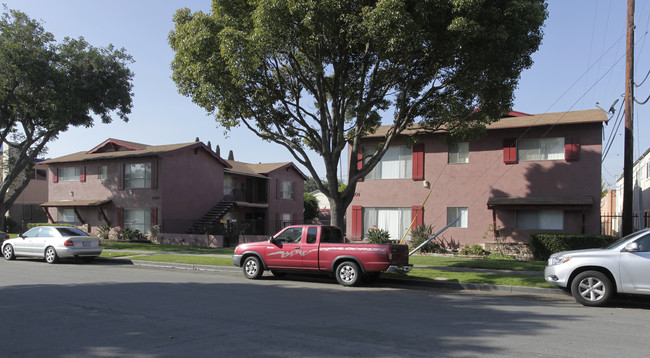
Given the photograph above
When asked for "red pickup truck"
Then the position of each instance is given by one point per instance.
(320, 249)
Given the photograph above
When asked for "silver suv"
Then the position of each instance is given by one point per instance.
(593, 276)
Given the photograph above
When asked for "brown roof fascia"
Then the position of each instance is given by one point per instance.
(518, 120)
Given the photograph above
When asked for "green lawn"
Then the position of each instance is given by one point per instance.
(144, 246)
(183, 254)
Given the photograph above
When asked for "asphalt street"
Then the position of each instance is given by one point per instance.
(109, 310)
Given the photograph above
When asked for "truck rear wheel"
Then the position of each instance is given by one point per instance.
(348, 273)
(252, 268)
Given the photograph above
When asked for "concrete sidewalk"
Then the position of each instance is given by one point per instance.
(392, 281)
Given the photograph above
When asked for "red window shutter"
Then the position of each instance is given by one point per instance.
(571, 149)
(120, 217)
(418, 161)
(420, 218)
(55, 175)
(360, 163)
(357, 222)
(82, 174)
(510, 151)
(154, 216)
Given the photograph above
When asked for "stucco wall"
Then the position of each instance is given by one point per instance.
(486, 175)
(278, 206)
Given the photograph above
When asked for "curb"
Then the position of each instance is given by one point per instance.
(458, 286)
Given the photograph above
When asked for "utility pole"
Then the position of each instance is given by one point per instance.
(628, 160)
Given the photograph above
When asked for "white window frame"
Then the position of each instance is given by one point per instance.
(455, 211)
(229, 185)
(539, 219)
(138, 219)
(394, 220)
(458, 153)
(66, 215)
(287, 190)
(397, 163)
(540, 149)
(135, 180)
(287, 220)
(69, 174)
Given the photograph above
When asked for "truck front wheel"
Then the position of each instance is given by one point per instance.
(252, 268)
(348, 273)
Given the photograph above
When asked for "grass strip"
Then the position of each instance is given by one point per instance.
(475, 277)
(146, 246)
(115, 254)
(478, 263)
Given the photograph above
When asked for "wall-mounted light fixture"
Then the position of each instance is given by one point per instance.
(426, 184)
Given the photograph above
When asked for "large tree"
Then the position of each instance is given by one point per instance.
(48, 86)
(318, 75)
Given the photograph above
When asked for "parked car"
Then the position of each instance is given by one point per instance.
(53, 243)
(595, 275)
(320, 249)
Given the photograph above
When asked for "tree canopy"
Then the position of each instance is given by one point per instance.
(47, 86)
(317, 76)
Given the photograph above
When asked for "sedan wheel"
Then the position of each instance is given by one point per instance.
(50, 255)
(592, 288)
(8, 252)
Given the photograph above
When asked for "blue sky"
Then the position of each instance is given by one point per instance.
(581, 62)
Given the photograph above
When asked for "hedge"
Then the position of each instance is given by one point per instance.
(33, 225)
(543, 245)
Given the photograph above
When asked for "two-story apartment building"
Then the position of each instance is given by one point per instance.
(173, 187)
(530, 173)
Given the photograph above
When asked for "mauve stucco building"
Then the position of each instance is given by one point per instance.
(179, 188)
(528, 174)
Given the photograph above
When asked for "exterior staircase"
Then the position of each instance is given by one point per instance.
(217, 212)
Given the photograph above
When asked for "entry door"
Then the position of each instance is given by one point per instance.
(635, 267)
(285, 253)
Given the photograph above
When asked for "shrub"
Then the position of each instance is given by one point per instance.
(472, 250)
(421, 234)
(103, 232)
(128, 234)
(499, 256)
(378, 236)
(543, 245)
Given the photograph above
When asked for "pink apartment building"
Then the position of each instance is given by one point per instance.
(530, 173)
(180, 188)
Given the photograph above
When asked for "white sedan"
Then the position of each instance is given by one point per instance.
(53, 243)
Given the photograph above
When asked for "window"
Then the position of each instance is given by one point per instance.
(455, 212)
(292, 235)
(539, 219)
(394, 220)
(229, 185)
(137, 176)
(40, 174)
(331, 235)
(397, 163)
(647, 170)
(69, 174)
(138, 219)
(102, 172)
(312, 235)
(66, 215)
(287, 189)
(459, 153)
(540, 149)
(287, 219)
